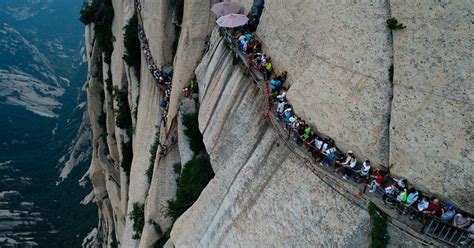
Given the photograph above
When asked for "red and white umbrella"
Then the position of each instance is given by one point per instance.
(232, 20)
(225, 8)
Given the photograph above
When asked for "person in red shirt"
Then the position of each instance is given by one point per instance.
(187, 91)
(434, 208)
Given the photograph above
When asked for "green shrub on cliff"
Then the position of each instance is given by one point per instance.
(123, 117)
(160, 243)
(138, 217)
(195, 176)
(102, 121)
(132, 44)
(127, 157)
(190, 121)
(108, 82)
(151, 161)
(103, 29)
(393, 24)
(88, 12)
(123, 120)
(378, 233)
(101, 13)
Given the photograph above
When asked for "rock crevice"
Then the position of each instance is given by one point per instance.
(340, 81)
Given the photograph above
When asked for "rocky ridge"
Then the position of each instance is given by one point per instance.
(339, 83)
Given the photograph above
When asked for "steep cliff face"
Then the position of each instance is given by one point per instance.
(260, 187)
(263, 192)
(338, 68)
(339, 77)
(431, 139)
(195, 28)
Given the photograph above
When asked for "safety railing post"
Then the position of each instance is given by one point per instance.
(453, 235)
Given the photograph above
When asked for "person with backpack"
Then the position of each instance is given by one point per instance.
(410, 200)
(331, 155)
(275, 84)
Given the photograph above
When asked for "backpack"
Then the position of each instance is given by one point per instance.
(402, 197)
(331, 155)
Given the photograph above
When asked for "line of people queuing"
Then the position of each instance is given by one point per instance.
(397, 193)
(159, 75)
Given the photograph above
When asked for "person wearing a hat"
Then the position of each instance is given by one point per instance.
(291, 122)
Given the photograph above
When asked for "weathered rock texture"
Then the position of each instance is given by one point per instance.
(338, 72)
(431, 132)
(260, 187)
(337, 68)
(337, 54)
(197, 23)
(157, 24)
(262, 194)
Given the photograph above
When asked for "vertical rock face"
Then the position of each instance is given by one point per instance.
(196, 26)
(160, 33)
(260, 187)
(337, 55)
(431, 141)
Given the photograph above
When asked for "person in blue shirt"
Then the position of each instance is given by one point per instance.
(275, 84)
(331, 155)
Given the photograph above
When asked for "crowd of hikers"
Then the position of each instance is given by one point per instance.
(396, 193)
(162, 79)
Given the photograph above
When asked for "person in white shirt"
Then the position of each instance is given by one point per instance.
(290, 124)
(280, 108)
(364, 171)
(282, 95)
(318, 143)
(324, 147)
(243, 43)
(348, 168)
(401, 183)
(420, 207)
(340, 166)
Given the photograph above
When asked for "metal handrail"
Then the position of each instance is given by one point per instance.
(307, 163)
(448, 233)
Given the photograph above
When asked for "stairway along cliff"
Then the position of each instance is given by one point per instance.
(261, 194)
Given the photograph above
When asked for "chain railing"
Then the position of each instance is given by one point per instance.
(442, 231)
(161, 78)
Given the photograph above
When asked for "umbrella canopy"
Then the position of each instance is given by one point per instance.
(232, 20)
(225, 8)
